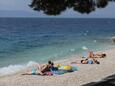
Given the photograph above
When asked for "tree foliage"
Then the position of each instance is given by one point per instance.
(55, 7)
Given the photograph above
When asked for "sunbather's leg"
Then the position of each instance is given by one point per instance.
(28, 73)
(91, 55)
(31, 73)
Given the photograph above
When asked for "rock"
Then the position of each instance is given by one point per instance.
(113, 39)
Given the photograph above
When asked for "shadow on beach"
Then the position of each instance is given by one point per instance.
(108, 81)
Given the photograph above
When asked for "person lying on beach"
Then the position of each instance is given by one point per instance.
(90, 61)
(92, 55)
(41, 69)
(87, 61)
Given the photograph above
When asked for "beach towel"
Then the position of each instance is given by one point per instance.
(90, 62)
(57, 71)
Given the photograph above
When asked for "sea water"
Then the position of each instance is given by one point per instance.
(28, 40)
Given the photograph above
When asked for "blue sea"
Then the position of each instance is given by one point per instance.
(27, 40)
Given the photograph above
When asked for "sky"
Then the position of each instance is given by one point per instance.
(20, 8)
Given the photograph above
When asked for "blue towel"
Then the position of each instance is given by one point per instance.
(90, 62)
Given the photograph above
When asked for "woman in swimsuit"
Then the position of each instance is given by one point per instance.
(90, 61)
(87, 61)
(41, 69)
(92, 55)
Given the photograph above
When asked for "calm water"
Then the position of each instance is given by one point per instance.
(34, 39)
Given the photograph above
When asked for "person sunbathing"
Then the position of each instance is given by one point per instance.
(41, 69)
(87, 61)
(90, 61)
(92, 55)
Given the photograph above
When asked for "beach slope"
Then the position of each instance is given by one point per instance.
(86, 74)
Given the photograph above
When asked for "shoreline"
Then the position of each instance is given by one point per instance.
(87, 73)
